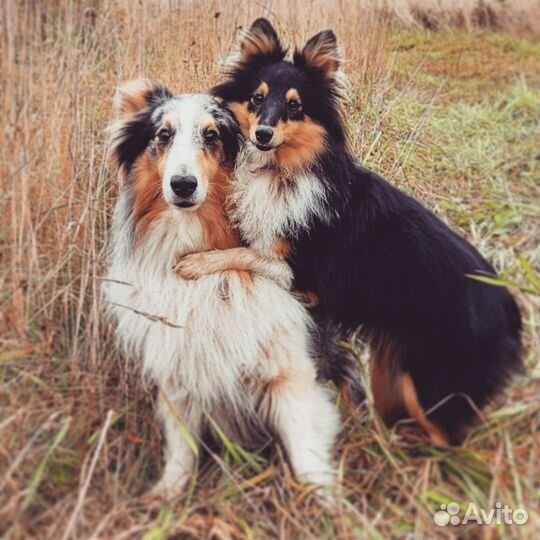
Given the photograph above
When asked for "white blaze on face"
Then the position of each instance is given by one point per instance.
(187, 116)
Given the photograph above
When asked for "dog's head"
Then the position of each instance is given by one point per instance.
(174, 151)
(290, 108)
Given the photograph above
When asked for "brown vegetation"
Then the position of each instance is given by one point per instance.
(78, 440)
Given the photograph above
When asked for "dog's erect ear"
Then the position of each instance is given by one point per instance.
(261, 41)
(259, 46)
(320, 54)
(137, 95)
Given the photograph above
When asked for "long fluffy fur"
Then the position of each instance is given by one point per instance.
(230, 348)
(443, 344)
(263, 209)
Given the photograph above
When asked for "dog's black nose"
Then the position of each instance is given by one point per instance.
(264, 134)
(183, 186)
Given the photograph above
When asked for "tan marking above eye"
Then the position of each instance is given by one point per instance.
(293, 95)
(262, 89)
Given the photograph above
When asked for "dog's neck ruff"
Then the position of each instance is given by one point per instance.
(174, 234)
(270, 203)
(205, 337)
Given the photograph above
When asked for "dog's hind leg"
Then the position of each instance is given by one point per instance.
(410, 397)
(385, 374)
(394, 392)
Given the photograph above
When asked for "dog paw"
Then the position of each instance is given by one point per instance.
(193, 266)
(160, 494)
(153, 500)
(327, 498)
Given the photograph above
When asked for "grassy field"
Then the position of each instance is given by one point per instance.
(445, 103)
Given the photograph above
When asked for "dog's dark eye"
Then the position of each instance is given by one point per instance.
(164, 135)
(257, 99)
(210, 136)
(293, 105)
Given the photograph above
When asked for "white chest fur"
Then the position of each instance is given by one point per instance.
(203, 337)
(269, 204)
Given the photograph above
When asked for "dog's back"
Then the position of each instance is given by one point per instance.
(443, 343)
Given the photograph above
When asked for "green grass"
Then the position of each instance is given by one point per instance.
(472, 157)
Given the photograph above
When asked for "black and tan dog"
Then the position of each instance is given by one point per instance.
(442, 343)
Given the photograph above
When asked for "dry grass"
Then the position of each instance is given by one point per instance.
(452, 117)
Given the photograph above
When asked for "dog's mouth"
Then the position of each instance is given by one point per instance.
(184, 204)
(265, 147)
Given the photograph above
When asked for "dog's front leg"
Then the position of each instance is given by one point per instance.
(307, 422)
(182, 427)
(241, 259)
